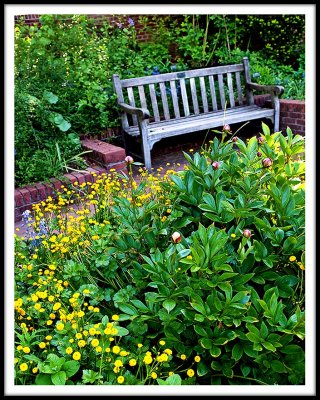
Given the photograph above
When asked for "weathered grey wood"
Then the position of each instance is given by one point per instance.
(164, 100)
(132, 103)
(194, 96)
(184, 97)
(175, 99)
(118, 89)
(145, 80)
(203, 118)
(239, 89)
(221, 91)
(245, 61)
(213, 93)
(142, 96)
(203, 94)
(154, 102)
(230, 89)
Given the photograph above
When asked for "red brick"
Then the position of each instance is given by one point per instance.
(41, 191)
(33, 193)
(18, 198)
(70, 178)
(26, 195)
(56, 183)
(106, 152)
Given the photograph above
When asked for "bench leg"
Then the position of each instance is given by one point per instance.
(146, 149)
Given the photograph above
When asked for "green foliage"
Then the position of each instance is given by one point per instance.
(208, 261)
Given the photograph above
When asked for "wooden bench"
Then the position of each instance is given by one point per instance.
(160, 106)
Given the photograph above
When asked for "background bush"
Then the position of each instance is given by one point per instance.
(63, 70)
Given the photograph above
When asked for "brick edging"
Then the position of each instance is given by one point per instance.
(108, 156)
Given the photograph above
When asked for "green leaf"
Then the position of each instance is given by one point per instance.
(43, 379)
(174, 379)
(198, 307)
(245, 370)
(70, 367)
(237, 351)
(268, 346)
(215, 351)
(278, 366)
(50, 97)
(169, 304)
(202, 369)
(128, 309)
(200, 331)
(253, 338)
(206, 343)
(59, 378)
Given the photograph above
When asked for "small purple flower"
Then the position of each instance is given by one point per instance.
(259, 154)
(119, 25)
(261, 139)
(235, 138)
(130, 22)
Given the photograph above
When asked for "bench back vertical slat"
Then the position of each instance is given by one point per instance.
(132, 103)
(174, 96)
(203, 94)
(239, 89)
(213, 93)
(118, 89)
(142, 97)
(154, 102)
(194, 96)
(245, 61)
(184, 97)
(221, 91)
(163, 92)
(230, 89)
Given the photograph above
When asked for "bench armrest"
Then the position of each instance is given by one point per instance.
(274, 89)
(141, 113)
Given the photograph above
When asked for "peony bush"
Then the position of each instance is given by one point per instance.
(193, 277)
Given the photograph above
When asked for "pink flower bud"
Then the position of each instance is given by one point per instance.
(267, 162)
(226, 128)
(246, 233)
(235, 138)
(176, 237)
(128, 160)
(259, 154)
(215, 164)
(261, 139)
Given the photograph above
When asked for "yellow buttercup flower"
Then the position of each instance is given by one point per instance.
(197, 359)
(69, 350)
(190, 373)
(132, 362)
(292, 258)
(23, 367)
(115, 317)
(76, 356)
(120, 379)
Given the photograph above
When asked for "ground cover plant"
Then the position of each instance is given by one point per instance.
(188, 278)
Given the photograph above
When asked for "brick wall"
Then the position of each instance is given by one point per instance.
(292, 113)
(31, 19)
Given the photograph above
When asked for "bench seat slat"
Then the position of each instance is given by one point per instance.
(194, 96)
(204, 121)
(154, 102)
(174, 96)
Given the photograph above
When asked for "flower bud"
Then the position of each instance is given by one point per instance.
(176, 237)
(235, 138)
(261, 139)
(246, 233)
(226, 128)
(267, 162)
(215, 164)
(259, 154)
(128, 160)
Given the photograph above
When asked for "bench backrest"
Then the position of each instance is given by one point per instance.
(179, 94)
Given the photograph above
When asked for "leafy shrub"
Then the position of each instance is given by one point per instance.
(195, 277)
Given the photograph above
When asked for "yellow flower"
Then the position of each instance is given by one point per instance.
(60, 327)
(81, 343)
(69, 350)
(168, 351)
(26, 350)
(147, 359)
(183, 356)
(42, 345)
(76, 356)
(115, 317)
(233, 235)
(35, 370)
(49, 337)
(116, 349)
(140, 345)
(118, 363)
(162, 342)
(132, 362)
(190, 372)
(92, 331)
(78, 335)
(301, 266)
(123, 353)
(23, 367)
(171, 373)
(292, 258)
(154, 375)
(197, 359)
(56, 306)
(95, 342)
(120, 379)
